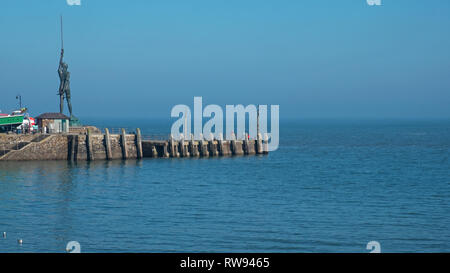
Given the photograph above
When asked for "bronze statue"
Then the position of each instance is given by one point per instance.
(64, 86)
(64, 78)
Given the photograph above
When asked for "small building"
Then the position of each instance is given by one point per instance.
(53, 123)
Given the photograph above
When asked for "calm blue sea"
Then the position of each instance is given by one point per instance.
(332, 186)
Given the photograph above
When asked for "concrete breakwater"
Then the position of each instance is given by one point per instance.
(106, 146)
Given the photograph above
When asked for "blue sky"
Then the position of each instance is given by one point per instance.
(315, 58)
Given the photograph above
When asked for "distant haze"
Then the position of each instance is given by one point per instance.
(315, 58)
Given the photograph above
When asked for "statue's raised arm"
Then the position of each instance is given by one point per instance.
(61, 58)
(61, 65)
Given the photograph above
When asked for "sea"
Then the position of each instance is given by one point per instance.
(332, 186)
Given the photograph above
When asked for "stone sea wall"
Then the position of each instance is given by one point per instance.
(81, 147)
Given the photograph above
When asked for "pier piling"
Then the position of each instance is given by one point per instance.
(246, 145)
(266, 144)
(124, 144)
(173, 148)
(108, 144)
(259, 145)
(71, 141)
(204, 148)
(90, 151)
(154, 152)
(221, 146)
(139, 143)
(165, 150)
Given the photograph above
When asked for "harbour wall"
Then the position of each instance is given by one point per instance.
(90, 147)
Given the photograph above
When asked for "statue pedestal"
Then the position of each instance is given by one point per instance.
(74, 122)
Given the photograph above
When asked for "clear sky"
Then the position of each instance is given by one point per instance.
(315, 58)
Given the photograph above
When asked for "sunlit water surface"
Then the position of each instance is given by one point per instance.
(332, 186)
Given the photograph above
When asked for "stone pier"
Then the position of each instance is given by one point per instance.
(97, 146)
